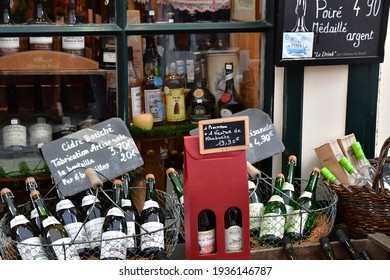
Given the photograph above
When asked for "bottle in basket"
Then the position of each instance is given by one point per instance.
(274, 219)
(31, 185)
(93, 216)
(54, 232)
(132, 218)
(357, 178)
(303, 218)
(256, 209)
(114, 227)
(152, 221)
(28, 242)
(290, 195)
(70, 217)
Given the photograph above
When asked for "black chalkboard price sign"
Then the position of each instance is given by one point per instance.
(224, 134)
(315, 32)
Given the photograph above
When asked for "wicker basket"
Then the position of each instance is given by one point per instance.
(366, 210)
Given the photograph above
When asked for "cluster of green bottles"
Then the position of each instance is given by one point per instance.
(88, 230)
(286, 213)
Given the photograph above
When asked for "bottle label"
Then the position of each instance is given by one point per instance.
(175, 102)
(113, 245)
(154, 104)
(115, 211)
(77, 232)
(109, 57)
(41, 43)
(69, 253)
(89, 200)
(94, 231)
(272, 224)
(51, 220)
(199, 113)
(206, 242)
(289, 209)
(31, 249)
(64, 204)
(256, 211)
(233, 239)
(306, 194)
(34, 214)
(224, 112)
(14, 135)
(18, 220)
(297, 221)
(131, 233)
(40, 133)
(135, 95)
(126, 203)
(9, 46)
(150, 203)
(155, 237)
(288, 187)
(276, 198)
(73, 43)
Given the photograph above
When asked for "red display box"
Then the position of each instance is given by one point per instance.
(217, 182)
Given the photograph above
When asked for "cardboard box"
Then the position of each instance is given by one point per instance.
(345, 143)
(215, 181)
(329, 155)
(133, 16)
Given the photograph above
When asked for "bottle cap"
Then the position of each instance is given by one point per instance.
(30, 180)
(346, 164)
(4, 191)
(170, 170)
(149, 176)
(117, 182)
(280, 175)
(358, 150)
(316, 169)
(292, 157)
(328, 175)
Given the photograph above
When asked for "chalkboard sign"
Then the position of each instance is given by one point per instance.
(107, 147)
(330, 31)
(224, 134)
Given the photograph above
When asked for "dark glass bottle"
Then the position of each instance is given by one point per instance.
(53, 232)
(289, 192)
(272, 225)
(93, 216)
(303, 217)
(68, 215)
(256, 209)
(114, 228)
(31, 185)
(108, 43)
(200, 102)
(40, 17)
(14, 130)
(73, 44)
(230, 101)
(8, 45)
(134, 87)
(327, 248)
(28, 242)
(233, 230)
(174, 177)
(349, 247)
(152, 237)
(151, 56)
(132, 218)
(288, 248)
(206, 232)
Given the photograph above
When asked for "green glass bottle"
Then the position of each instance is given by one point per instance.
(114, 229)
(274, 219)
(28, 242)
(53, 232)
(152, 221)
(256, 209)
(31, 185)
(290, 196)
(173, 176)
(304, 216)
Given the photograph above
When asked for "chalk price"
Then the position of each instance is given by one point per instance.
(227, 142)
(124, 149)
(264, 138)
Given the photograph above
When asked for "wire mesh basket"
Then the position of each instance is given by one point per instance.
(12, 250)
(324, 215)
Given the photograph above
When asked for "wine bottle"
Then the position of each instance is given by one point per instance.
(288, 248)
(233, 230)
(152, 221)
(328, 175)
(206, 232)
(256, 209)
(357, 178)
(200, 102)
(40, 17)
(174, 177)
(230, 101)
(174, 96)
(114, 228)
(23, 233)
(53, 232)
(68, 215)
(327, 248)
(73, 44)
(14, 131)
(93, 217)
(132, 218)
(31, 185)
(108, 43)
(303, 217)
(274, 219)
(151, 55)
(8, 45)
(134, 82)
(347, 244)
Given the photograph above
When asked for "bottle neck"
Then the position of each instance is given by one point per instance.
(111, 11)
(71, 17)
(8, 199)
(117, 191)
(39, 13)
(59, 195)
(150, 190)
(229, 78)
(290, 172)
(43, 212)
(279, 181)
(126, 186)
(312, 184)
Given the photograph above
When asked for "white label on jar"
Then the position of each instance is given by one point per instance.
(9, 43)
(40, 133)
(73, 43)
(31, 249)
(136, 106)
(41, 43)
(77, 233)
(14, 135)
(51, 220)
(272, 224)
(18, 220)
(233, 239)
(69, 253)
(206, 242)
(256, 211)
(109, 57)
(155, 237)
(297, 221)
(94, 231)
(64, 204)
(113, 247)
(154, 104)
